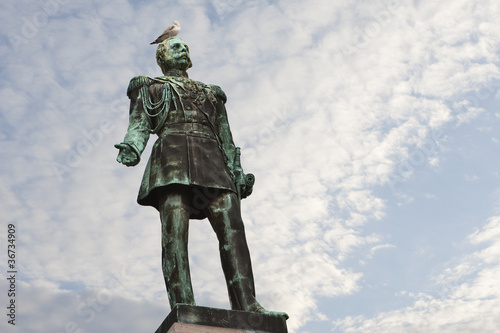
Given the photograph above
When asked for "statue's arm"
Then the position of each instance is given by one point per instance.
(225, 135)
(139, 127)
(244, 182)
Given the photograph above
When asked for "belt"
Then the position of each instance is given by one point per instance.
(197, 129)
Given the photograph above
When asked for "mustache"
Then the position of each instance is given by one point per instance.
(182, 54)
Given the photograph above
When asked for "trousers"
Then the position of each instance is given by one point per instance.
(222, 207)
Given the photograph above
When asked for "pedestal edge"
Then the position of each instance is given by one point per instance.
(242, 320)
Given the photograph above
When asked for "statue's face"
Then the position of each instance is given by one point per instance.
(177, 55)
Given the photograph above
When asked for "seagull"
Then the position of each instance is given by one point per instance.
(171, 31)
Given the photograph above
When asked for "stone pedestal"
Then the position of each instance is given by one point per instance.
(198, 319)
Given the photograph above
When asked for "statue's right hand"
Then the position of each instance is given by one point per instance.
(126, 155)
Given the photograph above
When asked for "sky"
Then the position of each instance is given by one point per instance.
(372, 128)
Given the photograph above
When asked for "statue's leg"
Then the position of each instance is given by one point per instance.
(174, 213)
(225, 217)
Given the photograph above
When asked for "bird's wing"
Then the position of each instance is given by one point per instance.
(168, 29)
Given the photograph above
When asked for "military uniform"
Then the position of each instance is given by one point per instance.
(194, 139)
(194, 151)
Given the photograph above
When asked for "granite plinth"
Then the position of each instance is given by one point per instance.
(199, 319)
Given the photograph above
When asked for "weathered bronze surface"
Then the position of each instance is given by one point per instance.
(193, 172)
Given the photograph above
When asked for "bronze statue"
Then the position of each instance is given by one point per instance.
(193, 172)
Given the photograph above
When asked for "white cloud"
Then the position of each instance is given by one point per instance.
(467, 296)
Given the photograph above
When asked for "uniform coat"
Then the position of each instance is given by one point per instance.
(194, 145)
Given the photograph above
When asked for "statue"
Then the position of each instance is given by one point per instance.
(193, 172)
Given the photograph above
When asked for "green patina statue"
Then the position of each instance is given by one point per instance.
(193, 172)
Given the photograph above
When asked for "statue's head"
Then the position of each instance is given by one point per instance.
(173, 53)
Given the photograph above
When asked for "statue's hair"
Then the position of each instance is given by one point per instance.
(161, 51)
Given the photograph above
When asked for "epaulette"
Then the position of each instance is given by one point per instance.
(137, 82)
(219, 92)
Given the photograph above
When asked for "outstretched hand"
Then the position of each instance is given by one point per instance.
(126, 155)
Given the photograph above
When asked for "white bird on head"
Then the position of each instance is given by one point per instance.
(171, 31)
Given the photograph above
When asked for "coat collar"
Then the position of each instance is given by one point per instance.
(175, 73)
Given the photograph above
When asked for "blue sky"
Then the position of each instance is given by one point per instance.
(371, 127)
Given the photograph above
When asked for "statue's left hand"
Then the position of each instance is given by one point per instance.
(126, 155)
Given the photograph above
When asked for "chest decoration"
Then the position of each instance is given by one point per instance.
(158, 109)
(195, 91)
(171, 92)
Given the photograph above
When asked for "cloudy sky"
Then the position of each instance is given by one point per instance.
(372, 128)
